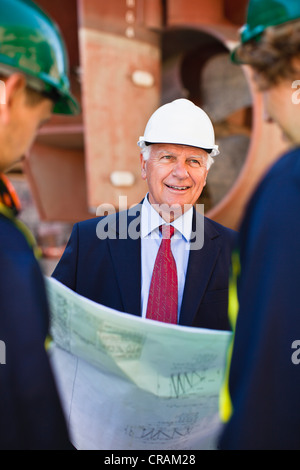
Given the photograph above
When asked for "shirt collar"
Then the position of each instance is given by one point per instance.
(151, 221)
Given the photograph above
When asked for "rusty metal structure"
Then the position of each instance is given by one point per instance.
(127, 57)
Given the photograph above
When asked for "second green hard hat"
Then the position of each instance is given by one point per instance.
(265, 13)
(31, 43)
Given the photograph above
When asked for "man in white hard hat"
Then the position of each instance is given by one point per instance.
(160, 260)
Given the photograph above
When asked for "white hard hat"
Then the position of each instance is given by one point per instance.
(183, 123)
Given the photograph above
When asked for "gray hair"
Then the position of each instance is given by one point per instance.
(146, 151)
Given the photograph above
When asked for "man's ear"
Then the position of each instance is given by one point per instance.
(143, 166)
(14, 89)
(296, 65)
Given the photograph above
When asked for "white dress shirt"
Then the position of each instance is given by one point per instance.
(150, 243)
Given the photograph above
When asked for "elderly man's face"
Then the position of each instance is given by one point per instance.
(176, 174)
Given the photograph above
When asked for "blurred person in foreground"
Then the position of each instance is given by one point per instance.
(161, 260)
(33, 73)
(260, 398)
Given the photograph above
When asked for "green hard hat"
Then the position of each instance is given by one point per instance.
(31, 43)
(263, 14)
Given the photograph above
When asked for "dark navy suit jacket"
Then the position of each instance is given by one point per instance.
(108, 271)
(31, 416)
(264, 380)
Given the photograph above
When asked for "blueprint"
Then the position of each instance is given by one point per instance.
(130, 383)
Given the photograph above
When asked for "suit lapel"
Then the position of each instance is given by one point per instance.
(200, 267)
(125, 249)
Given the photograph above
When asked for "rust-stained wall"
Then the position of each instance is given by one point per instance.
(120, 61)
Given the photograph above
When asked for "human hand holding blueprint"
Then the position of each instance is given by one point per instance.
(131, 383)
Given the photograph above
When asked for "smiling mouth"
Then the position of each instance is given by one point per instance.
(178, 188)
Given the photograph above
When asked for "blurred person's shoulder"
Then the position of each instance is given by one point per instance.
(12, 238)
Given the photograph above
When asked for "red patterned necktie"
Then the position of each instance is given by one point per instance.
(163, 295)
